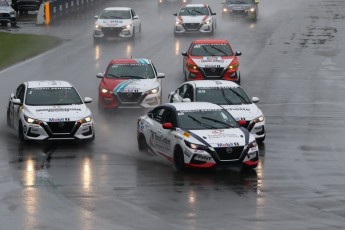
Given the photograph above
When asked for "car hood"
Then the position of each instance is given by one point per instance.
(113, 22)
(192, 19)
(219, 137)
(238, 6)
(5, 9)
(129, 85)
(212, 61)
(248, 111)
(57, 113)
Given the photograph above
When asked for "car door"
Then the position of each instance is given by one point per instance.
(155, 132)
(20, 92)
(167, 135)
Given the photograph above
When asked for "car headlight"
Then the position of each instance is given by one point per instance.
(13, 13)
(103, 90)
(195, 146)
(178, 23)
(233, 66)
(153, 91)
(127, 26)
(206, 22)
(85, 120)
(259, 119)
(252, 9)
(32, 120)
(192, 66)
(98, 26)
(225, 10)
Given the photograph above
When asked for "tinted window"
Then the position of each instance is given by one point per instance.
(239, 1)
(3, 3)
(205, 119)
(158, 115)
(133, 71)
(52, 96)
(115, 14)
(211, 50)
(223, 96)
(192, 11)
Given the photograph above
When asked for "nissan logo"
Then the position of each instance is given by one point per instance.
(213, 70)
(61, 125)
(129, 95)
(229, 150)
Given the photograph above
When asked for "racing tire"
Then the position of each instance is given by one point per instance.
(239, 79)
(261, 139)
(185, 75)
(9, 122)
(142, 144)
(179, 160)
(21, 133)
(133, 35)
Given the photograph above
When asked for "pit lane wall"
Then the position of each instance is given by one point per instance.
(52, 11)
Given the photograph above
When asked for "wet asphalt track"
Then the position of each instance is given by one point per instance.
(293, 60)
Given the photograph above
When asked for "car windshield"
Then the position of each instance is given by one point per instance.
(193, 11)
(52, 96)
(3, 3)
(131, 71)
(115, 14)
(211, 50)
(223, 96)
(205, 119)
(239, 1)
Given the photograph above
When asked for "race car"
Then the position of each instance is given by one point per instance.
(194, 18)
(130, 83)
(116, 22)
(49, 110)
(230, 96)
(241, 9)
(196, 135)
(172, 2)
(7, 14)
(211, 59)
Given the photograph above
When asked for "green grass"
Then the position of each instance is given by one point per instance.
(15, 48)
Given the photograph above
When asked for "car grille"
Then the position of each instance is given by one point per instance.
(61, 127)
(129, 97)
(238, 12)
(213, 71)
(111, 31)
(191, 26)
(5, 15)
(225, 156)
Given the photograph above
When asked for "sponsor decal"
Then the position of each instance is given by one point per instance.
(58, 119)
(239, 109)
(187, 153)
(218, 131)
(159, 141)
(178, 137)
(228, 144)
(58, 110)
(186, 134)
(199, 157)
(240, 118)
(220, 136)
(120, 87)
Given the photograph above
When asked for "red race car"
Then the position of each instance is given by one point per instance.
(130, 83)
(212, 60)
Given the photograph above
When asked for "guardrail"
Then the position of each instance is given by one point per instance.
(52, 11)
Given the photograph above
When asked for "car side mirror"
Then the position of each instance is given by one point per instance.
(214, 13)
(136, 17)
(150, 115)
(12, 95)
(96, 17)
(175, 14)
(184, 54)
(161, 75)
(186, 100)
(255, 99)
(238, 53)
(87, 100)
(16, 101)
(168, 125)
(100, 75)
(241, 122)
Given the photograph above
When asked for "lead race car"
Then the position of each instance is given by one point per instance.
(49, 110)
(196, 134)
(130, 83)
(211, 59)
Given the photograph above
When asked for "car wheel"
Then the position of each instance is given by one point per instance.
(246, 168)
(133, 35)
(185, 75)
(142, 144)
(261, 139)
(9, 122)
(179, 159)
(239, 79)
(21, 133)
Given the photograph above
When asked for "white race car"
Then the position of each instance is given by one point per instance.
(230, 96)
(116, 22)
(49, 110)
(196, 134)
(195, 18)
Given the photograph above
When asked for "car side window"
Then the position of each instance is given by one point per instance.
(169, 116)
(210, 11)
(20, 92)
(182, 91)
(189, 92)
(158, 115)
(133, 13)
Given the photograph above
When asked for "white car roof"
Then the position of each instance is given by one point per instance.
(190, 106)
(48, 84)
(195, 5)
(214, 83)
(117, 8)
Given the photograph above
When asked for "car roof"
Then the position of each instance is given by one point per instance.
(190, 106)
(117, 8)
(210, 41)
(195, 5)
(48, 84)
(131, 61)
(213, 84)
